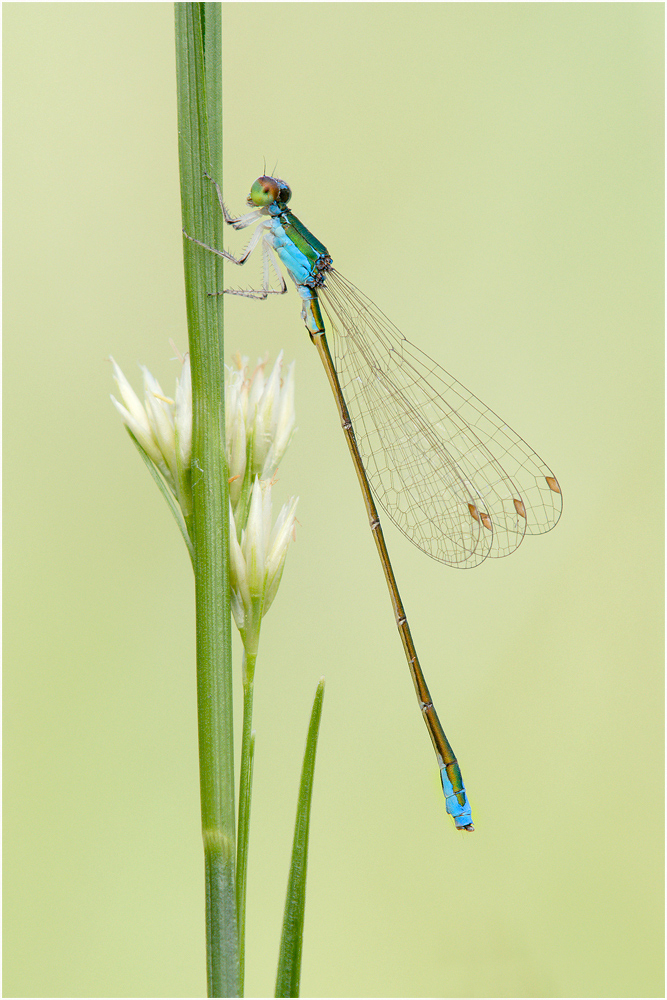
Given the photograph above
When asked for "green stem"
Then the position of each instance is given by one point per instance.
(245, 795)
(198, 31)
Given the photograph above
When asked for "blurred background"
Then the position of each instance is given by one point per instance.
(491, 175)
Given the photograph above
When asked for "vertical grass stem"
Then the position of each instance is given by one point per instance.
(198, 62)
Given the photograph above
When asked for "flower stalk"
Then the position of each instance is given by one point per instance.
(259, 425)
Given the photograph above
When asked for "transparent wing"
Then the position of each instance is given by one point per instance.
(452, 476)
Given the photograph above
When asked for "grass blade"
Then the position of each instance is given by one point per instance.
(289, 962)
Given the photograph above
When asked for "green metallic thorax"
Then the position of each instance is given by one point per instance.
(306, 260)
(308, 244)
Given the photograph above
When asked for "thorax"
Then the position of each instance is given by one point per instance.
(305, 258)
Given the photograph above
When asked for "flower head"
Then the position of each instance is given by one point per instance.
(257, 559)
(137, 418)
(260, 421)
(162, 426)
(259, 425)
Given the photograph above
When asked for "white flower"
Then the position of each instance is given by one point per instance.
(260, 421)
(153, 422)
(235, 399)
(284, 532)
(282, 419)
(257, 560)
(183, 416)
(160, 412)
(135, 416)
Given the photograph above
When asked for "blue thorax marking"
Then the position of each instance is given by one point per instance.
(304, 257)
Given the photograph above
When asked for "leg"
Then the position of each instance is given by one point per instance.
(268, 261)
(268, 258)
(243, 220)
(254, 240)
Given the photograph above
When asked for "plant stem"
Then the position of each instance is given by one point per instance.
(245, 794)
(198, 47)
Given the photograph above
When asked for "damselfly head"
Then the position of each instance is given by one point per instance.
(266, 190)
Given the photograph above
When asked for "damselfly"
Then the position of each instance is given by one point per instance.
(452, 476)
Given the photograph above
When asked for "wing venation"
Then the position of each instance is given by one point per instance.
(452, 476)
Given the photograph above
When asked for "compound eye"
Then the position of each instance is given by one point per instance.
(285, 192)
(264, 192)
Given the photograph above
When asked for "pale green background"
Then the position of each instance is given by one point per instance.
(491, 175)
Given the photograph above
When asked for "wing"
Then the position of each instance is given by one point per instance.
(452, 476)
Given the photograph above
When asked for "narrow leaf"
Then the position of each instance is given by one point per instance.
(289, 962)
